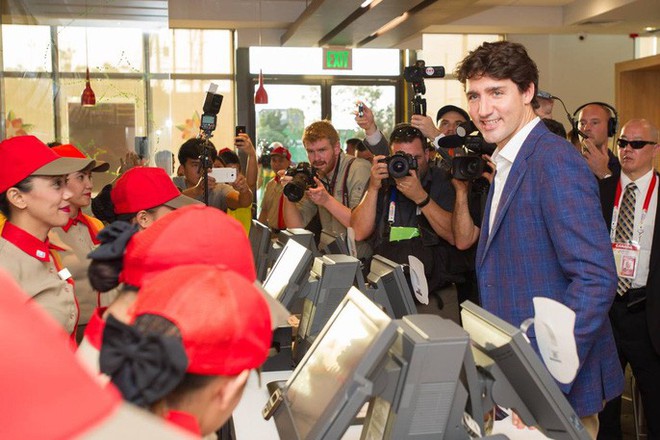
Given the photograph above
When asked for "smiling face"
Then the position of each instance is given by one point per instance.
(636, 163)
(80, 186)
(46, 204)
(498, 108)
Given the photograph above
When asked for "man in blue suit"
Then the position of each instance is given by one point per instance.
(543, 233)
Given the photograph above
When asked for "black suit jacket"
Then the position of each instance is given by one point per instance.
(607, 194)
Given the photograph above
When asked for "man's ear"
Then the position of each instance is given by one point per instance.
(15, 198)
(528, 94)
(231, 388)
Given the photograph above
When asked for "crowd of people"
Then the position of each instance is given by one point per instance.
(154, 302)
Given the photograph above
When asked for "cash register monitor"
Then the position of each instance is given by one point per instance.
(525, 385)
(288, 273)
(331, 243)
(390, 287)
(302, 236)
(330, 384)
(260, 242)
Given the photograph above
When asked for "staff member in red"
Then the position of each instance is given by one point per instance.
(34, 199)
(189, 348)
(78, 237)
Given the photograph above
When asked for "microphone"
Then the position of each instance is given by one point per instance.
(451, 141)
(545, 95)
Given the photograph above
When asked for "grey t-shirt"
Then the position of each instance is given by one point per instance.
(217, 196)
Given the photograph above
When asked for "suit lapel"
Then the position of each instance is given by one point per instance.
(655, 244)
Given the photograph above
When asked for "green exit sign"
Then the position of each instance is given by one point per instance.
(337, 58)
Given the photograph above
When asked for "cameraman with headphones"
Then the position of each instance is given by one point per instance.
(596, 122)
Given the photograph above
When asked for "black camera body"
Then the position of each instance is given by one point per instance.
(415, 75)
(472, 166)
(399, 164)
(211, 108)
(303, 178)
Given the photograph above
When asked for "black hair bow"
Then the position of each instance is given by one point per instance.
(114, 238)
(144, 367)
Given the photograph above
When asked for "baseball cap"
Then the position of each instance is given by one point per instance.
(451, 108)
(60, 400)
(281, 151)
(223, 319)
(24, 156)
(68, 150)
(191, 235)
(145, 188)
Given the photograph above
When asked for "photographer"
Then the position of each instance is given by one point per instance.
(408, 215)
(221, 195)
(339, 184)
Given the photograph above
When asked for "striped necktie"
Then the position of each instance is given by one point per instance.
(624, 229)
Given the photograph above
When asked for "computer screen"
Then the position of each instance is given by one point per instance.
(327, 389)
(330, 278)
(288, 273)
(331, 243)
(522, 382)
(302, 236)
(260, 242)
(390, 288)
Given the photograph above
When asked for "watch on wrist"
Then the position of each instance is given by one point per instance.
(424, 202)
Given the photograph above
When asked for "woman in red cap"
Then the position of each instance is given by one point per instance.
(34, 199)
(188, 349)
(78, 237)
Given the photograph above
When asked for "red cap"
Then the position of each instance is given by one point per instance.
(68, 150)
(145, 188)
(281, 151)
(190, 235)
(24, 156)
(223, 319)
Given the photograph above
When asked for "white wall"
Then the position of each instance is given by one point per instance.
(577, 71)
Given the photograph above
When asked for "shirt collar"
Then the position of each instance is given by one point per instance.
(642, 183)
(184, 420)
(27, 242)
(510, 151)
(95, 327)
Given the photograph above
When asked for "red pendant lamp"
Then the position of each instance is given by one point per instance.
(260, 96)
(88, 99)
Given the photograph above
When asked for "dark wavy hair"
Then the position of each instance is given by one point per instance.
(501, 60)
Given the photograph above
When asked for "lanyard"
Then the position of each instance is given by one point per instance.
(334, 177)
(645, 208)
(391, 206)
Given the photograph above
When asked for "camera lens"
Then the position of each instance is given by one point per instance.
(398, 167)
(295, 190)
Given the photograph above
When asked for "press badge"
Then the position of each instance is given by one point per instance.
(626, 257)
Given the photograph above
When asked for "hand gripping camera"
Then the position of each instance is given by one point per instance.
(399, 164)
(303, 178)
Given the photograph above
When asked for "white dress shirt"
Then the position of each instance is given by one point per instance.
(504, 158)
(646, 239)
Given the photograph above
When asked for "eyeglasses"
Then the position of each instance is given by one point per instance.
(406, 133)
(623, 143)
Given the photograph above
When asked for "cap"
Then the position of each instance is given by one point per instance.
(281, 151)
(24, 156)
(223, 319)
(68, 150)
(191, 235)
(60, 400)
(451, 108)
(145, 188)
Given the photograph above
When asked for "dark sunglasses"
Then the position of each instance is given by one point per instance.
(406, 133)
(623, 143)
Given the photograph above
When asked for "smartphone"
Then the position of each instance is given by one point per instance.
(223, 175)
(360, 110)
(240, 129)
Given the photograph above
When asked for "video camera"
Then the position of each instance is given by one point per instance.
(470, 166)
(399, 164)
(303, 178)
(415, 75)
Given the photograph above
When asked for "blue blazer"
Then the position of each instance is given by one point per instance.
(549, 239)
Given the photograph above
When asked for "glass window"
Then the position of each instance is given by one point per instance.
(26, 48)
(309, 61)
(194, 51)
(103, 49)
(176, 110)
(381, 99)
(289, 110)
(29, 108)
